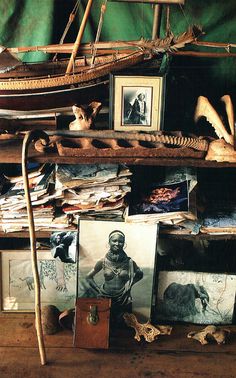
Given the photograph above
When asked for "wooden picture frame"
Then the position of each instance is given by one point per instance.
(195, 297)
(58, 281)
(140, 248)
(136, 102)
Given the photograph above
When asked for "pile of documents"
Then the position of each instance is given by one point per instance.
(13, 212)
(93, 190)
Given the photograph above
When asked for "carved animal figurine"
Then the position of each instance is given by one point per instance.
(210, 333)
(147, 330)
(221, 149)
(84, 115)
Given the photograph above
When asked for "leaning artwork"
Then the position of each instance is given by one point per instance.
(196, 297)
(57, 280)
(117, 260)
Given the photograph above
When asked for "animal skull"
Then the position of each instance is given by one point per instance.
(222, 149)
(84, 115)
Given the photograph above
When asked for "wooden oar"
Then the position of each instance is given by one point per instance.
(79, 37)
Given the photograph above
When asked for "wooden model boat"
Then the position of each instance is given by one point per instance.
(81, 79)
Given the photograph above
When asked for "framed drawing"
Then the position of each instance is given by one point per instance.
(117, 261)
(58, 281)
(196, 297)
(137, 102)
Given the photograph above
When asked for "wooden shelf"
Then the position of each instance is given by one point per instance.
(163, 234)
(11, 153)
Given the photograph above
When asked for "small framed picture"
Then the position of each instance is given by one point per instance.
(117, 261)
(196, 297)
(57, 280)
(136, 102)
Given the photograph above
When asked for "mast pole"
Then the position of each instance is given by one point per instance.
(79, 37)
(156, 21)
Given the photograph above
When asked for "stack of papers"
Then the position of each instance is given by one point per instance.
(13, 212)
(92, 189)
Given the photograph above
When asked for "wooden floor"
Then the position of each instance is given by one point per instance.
(169, 356)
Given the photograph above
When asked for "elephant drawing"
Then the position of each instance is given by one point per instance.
(54, 270)
(179, 301)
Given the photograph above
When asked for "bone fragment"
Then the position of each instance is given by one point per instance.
(221, 151)
(147, 330)
(210, 333)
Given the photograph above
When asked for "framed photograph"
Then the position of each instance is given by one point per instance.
(117, 261)
(136, 102)
(58, 281)
(196, 297)
(64, 246)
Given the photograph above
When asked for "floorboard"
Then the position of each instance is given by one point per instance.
(169, 356)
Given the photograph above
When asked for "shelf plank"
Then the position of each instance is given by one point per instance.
(163, 234)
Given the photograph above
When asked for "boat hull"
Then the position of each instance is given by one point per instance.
(60, 91)
(54, 99)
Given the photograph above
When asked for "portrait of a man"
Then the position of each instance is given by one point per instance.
(137, 106)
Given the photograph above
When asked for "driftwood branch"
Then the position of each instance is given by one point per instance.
(29, 137)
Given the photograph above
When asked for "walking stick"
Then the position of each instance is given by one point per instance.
(29, 137)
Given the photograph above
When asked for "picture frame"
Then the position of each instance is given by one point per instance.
(58, 281)
(195, 297)
(97, 274)
(136, 102)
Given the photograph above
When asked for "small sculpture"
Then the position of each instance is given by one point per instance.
(222, 149)
(210, 333)
(84, 115)
(147, 330)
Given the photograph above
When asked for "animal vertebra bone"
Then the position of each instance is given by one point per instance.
(147, 330)
(221, 149)
(209, 333)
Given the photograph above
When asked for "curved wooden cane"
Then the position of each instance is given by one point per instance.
(29, 137)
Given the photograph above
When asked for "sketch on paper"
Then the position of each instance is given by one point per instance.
(57, 280)
(196, 297)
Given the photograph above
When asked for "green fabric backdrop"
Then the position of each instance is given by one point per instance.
(39, 22)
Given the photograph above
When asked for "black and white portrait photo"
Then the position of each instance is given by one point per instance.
(137, 102)
(116, 260)
(196, 297)
(64, 246)
(137, 106)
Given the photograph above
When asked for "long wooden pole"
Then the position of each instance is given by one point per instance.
(79, 37)
(33, 135)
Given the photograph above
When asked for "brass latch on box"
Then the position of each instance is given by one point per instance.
(93, 315)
